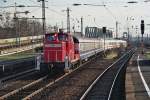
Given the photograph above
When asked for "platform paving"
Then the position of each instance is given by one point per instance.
(135, 89)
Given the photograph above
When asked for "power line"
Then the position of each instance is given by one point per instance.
(110, 12)
(63, 15)
(34, 10)
(34, 2)
(96, 23)
(55, 11)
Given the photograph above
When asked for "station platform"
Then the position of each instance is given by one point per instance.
(15, 50)
(137, 82)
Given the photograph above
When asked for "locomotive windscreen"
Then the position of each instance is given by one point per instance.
(58, 37)
(62, 37)
(51, 37)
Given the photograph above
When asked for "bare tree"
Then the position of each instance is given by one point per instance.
(23, 27)
(6, 20)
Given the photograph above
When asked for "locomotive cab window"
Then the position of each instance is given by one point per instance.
(62, 37)
(51, 37)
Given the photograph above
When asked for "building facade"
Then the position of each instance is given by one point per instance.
(95, 32)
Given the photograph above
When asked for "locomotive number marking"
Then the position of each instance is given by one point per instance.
(53, 45)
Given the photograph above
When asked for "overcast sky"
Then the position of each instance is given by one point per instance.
(99, 16)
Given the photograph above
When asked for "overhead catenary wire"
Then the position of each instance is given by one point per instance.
(63, 15)
(34, 2)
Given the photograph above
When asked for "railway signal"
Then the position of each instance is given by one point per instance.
(104, 34)
(142, 32)
(104, 30)
(142, 27)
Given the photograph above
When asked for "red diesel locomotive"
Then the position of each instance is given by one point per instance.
(60, 50)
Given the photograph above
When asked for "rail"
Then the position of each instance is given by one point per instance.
(16, 75)
(100, 76)
(117, 75)
(53, 82)
(74, 72)
(24, 87)
(34, 93)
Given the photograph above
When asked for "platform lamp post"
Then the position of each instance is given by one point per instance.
(43, 20)
(81, 26)
(137, 33)
(148, 25)
(129, 19)
(142, 32)
(43, 16)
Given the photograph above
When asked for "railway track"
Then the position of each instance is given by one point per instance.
(15, 72)
(104, 87)
(13, 67)
(23, 81)
(17, 75)
(65, 84)
(11, 83)
(73, 86)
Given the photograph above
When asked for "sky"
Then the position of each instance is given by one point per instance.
(126, 14)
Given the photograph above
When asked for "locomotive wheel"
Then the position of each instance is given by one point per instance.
(50, 68)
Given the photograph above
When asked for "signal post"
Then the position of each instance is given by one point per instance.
(104, 36)
(142, 32)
